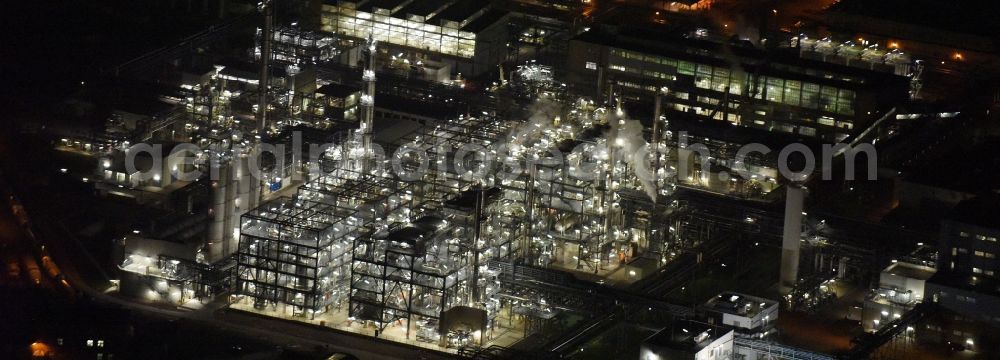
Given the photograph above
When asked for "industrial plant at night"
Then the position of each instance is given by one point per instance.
(505, 179)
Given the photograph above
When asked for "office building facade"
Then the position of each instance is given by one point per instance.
(733, 81)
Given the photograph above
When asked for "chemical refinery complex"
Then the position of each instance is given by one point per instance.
(438, 179)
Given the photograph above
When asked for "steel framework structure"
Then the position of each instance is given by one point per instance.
(407, 246)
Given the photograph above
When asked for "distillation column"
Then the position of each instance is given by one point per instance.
(528, 241)
(791, 240)
(368, 107)
(240, 197)
(217, 232)
(249, 189)
(477, 236)
(234, 191)
(228, 247)
(265, 60)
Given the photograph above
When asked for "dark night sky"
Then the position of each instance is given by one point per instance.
(49, 46)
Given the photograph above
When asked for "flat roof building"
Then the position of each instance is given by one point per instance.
(969, 236)
(742, 311)
(468, 32)
(687, 339)
(776, 90)
(904, 281)
(966, 281)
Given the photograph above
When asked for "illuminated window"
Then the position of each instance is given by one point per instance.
(793, 92)
(810, 95)
(775, 89)
(685, 68)
(591, 65)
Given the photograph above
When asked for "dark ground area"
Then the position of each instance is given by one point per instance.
(51, 46)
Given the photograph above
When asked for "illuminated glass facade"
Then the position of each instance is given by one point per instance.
(723, 79)
(735, 83)
(448, 38)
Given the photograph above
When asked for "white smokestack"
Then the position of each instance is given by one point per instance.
(792, 237)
